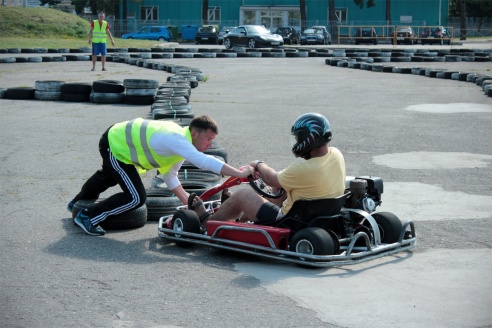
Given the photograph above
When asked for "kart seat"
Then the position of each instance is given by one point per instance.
(303, 212)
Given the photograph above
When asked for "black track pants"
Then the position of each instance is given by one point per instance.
(113, 172)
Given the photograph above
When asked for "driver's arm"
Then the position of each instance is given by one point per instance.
(268, 174)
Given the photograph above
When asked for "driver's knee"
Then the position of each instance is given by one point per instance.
(243, 194)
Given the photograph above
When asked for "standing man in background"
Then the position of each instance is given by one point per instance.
(97, 37)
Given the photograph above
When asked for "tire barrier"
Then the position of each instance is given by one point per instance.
(186, 78)
(48, 90)
(76, 92)
(140, 91)
(107, 92)
(356, 63)
(22, 93)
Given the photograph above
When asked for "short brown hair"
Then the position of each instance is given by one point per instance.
(204, 123)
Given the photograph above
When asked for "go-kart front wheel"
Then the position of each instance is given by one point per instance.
(185, 221)
(389, 226)
(313, 241)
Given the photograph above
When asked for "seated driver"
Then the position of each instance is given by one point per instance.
(321, 175)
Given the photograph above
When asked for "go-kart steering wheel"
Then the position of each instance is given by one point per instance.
(263, 189)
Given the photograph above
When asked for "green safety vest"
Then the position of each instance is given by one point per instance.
(130, 143)
(99, 32)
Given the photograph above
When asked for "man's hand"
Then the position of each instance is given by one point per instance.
(249, 170)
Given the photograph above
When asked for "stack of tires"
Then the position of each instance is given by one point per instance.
(140, 91)
(76, 92)
(48, 90)
(107, 92)
(172, 101)
(23, 93)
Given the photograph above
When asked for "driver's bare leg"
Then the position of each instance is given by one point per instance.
(246, 201)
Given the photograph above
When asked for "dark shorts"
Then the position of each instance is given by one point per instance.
(268, 213)
(99, 49)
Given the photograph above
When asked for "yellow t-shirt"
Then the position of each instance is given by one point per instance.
(316, 178)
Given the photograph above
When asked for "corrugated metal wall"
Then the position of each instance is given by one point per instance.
(190, 10)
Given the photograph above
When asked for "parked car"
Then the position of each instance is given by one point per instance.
(252, 36)
(289, 34)
(207, 34)
(365, 35)
(316, 35)
(404, 34)
(223, 31)
(435, 35)
(159, 33)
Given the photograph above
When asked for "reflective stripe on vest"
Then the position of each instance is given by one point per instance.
(130, 143)
(99, 32)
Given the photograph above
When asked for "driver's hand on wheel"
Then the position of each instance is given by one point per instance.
(254, 164)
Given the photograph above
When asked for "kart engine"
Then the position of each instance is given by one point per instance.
(365, 193)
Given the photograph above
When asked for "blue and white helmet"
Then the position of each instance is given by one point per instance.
(309, 131)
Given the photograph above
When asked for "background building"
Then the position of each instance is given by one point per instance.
(275, 13)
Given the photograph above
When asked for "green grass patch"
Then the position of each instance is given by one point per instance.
(50, 28)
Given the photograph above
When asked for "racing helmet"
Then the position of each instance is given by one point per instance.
(309, 131)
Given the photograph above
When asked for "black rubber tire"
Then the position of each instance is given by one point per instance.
(47, 95)
(71, 57)
(158, 206)
(138, 100)
(198, 187)
(312, 241)
(35, 59)
(198, 175)
(106, 98)
(218, 151)
(20, 93)
(108, 86)
(140, 92)
(76, 97)
(140, 84)
(48, 85)
(185, 221)
(133, 219)
(227, 43)
(389, 226)
(76, 88)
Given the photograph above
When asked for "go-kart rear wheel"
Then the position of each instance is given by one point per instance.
(389, 226)
(313, 241)
(185, 221)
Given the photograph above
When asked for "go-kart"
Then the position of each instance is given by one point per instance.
(315, 233)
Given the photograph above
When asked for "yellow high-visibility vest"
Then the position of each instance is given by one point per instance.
(99, 32)
(130, 143)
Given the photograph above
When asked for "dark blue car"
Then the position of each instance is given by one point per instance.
(159, 33)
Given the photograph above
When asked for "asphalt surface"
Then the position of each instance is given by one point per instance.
(429, 139)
